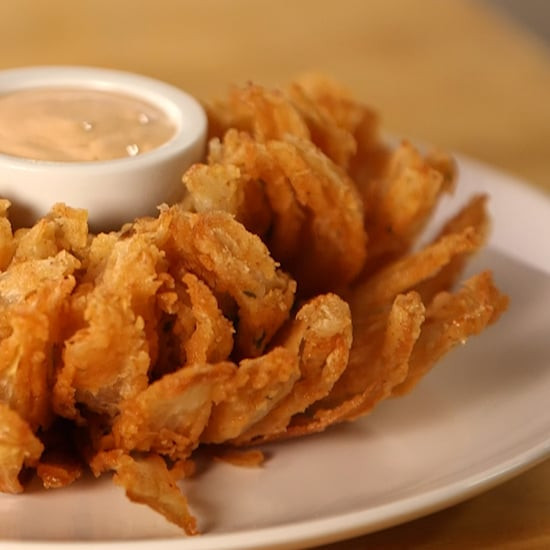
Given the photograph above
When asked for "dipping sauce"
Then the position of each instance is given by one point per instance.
(79, 124)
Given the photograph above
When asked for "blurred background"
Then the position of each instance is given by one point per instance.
(472, 76)
(534, 14)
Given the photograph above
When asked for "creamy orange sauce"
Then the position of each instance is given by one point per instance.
(79, 124)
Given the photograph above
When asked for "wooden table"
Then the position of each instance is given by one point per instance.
(450, 73)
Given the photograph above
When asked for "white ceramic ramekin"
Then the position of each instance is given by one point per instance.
(113, 191)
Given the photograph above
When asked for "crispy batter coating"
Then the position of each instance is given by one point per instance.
(245, 458)
(212, 337)
(33, 298)
(104, 362)
(26, 368)
(108, 358)
(194, 329)
(287, 217)
(214, 187)
(176, 324)
(265, 114)
(128, 350)
(226, 188)
(302, 183)
(338, 105)
(333, 241)
(399, 204)
(257, 387)
(7, 244)
(379, 361)
(321, 336)
(147, 480)
(451, 318)
(235, 263)
(63, 228)
(317, 243)
(474, 215)
(336, 141)
(58, 473)
(409, 271)
(21, 281)
(170, 415)
(19, 448)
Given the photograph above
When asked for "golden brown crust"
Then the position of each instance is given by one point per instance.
(234, 262)
(320, 336)
(170, 415)
(148, 481)
(451, 318)
(19, 448)
(245, 458)
(257, 387)
(185, 329)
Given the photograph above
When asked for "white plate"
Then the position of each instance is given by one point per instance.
(481, 417)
